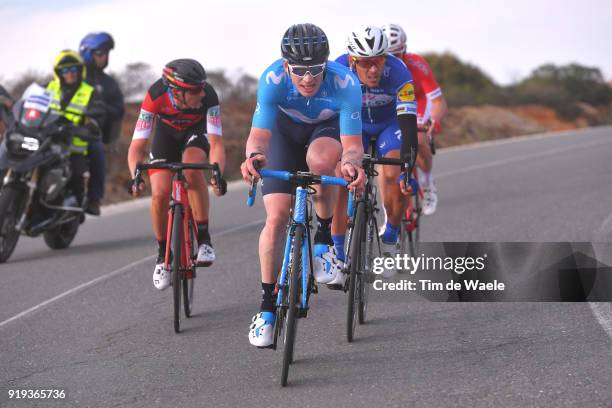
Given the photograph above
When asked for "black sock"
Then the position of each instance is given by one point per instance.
(203, 235)
(161, 249)
(323, 234)
(268, 303)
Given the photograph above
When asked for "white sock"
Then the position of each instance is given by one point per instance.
(427, 179)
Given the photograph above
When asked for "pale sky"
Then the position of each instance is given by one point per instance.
(506, 39)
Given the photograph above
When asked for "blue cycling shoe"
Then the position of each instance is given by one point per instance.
(261, 331)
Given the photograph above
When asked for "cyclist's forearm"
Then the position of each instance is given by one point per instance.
(136, 154)
(410, 140)
(258, 141)
(217, 151)
(438, 109)
(352, 149)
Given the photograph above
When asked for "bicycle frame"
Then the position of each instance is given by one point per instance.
(180, 202)
(299, 216)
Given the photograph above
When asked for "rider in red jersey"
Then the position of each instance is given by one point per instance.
(185, 110)
(431, 106)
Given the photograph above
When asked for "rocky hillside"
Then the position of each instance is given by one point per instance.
(463, 125)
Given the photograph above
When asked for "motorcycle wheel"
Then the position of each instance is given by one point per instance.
(11, 198)
(61, 236)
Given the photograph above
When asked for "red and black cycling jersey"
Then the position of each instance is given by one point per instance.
(159, 103)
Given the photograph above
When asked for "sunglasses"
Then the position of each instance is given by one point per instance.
(367, 63)
(194, 91)
(100, 53)
(302, 70)
(72, 70)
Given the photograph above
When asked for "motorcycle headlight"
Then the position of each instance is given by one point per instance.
(30, 143)
(20, 144)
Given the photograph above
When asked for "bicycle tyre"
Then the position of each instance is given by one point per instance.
(372, 244)
(295, 269)
(177, 236)
(355, 252)
(188, 288)
(416, 233)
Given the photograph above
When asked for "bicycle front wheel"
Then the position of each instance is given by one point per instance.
(355, 273)
(294, 280)
(188, 295)
(372, 250)
(176, 244)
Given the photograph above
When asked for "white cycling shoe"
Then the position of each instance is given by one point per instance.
(206, 255)
(430, 199)
(261, 331)
(162, 278)
(326, 263)
(389, 251)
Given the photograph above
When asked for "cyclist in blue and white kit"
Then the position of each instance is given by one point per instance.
(308, 118)
(389, 115)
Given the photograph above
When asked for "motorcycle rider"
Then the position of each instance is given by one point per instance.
(73, 97)
(94, 49)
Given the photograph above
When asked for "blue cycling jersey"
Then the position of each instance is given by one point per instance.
(339, 95)
(393, 96)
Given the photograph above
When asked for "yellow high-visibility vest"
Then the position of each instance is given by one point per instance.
(74, 111)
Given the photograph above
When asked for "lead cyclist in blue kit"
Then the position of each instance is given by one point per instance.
(389, 115)
(308, 118)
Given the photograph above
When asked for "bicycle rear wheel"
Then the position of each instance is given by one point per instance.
(355, 272)
(177, 236)
(294, 280)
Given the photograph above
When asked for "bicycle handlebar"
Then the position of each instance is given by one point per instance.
(300, 178)
(176, 167)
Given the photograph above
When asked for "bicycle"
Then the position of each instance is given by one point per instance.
(182, 250)
(364, 242)
(410, 228)
(295, 283)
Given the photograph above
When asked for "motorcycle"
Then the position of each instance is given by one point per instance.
(35, 197)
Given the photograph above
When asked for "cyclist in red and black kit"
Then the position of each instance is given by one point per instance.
(185, 110)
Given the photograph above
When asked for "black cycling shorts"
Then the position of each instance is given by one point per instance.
(169, 143)
(288, 147)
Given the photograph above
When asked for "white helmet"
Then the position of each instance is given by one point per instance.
(396, 36)
(367, 42)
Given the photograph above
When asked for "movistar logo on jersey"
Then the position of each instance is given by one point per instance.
(272, 77)
(343, 83)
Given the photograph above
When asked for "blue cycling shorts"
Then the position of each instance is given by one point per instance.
(387, 135)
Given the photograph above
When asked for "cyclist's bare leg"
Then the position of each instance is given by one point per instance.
(322, 157)
(424, 157)
(161, 188)
(393, 199)
(197, 188)
(271, 242)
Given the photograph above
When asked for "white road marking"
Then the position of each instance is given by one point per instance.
(110, 275)
(603, 314)
(551, 152)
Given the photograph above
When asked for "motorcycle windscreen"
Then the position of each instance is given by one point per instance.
(35, 108)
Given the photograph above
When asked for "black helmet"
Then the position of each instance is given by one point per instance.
(184, 73)
(305, 44)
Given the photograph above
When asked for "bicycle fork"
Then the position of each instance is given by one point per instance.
(299, 218)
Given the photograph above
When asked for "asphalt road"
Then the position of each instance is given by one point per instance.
(88, 319)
